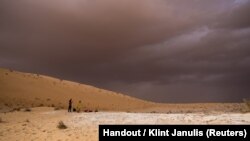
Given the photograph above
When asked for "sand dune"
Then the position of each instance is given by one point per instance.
(27, 113)
(30, 90)
(19, 90)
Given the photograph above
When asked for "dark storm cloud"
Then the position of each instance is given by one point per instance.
(162, 50)
(236, 18)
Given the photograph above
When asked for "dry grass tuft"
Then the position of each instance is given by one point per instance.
(247, 103)
(27, 110)
(61, 125)
(57, 108)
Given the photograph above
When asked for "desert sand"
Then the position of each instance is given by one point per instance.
(25, 90)
(41, 123)
(31, 106)
(19, 90)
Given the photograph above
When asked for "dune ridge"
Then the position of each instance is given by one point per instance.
(20, 90)
(32, 90)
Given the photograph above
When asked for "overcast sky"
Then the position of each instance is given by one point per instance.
(159, 50)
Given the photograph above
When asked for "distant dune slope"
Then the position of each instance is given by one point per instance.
(19, 89)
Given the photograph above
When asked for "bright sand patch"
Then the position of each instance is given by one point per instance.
(41, 123)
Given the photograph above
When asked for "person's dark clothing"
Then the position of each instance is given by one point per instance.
(70, 105)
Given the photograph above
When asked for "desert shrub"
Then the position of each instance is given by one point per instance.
(96, 110)
(15, 109)
(1, 121)
(18, 108)
(61, 125)
(57, 108)
(247, 103)
(27, 120)
(87, 110)
(27, 110)
(41, 105)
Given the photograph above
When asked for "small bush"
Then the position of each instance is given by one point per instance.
(14, 109)
(27, 110)
(1, 121)
(17, 109)
(61, 125)
(27, 120)
(247, 103)
(57, 108)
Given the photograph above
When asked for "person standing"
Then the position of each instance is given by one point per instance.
(70, 105)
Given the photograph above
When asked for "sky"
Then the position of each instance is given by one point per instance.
(157, 50)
